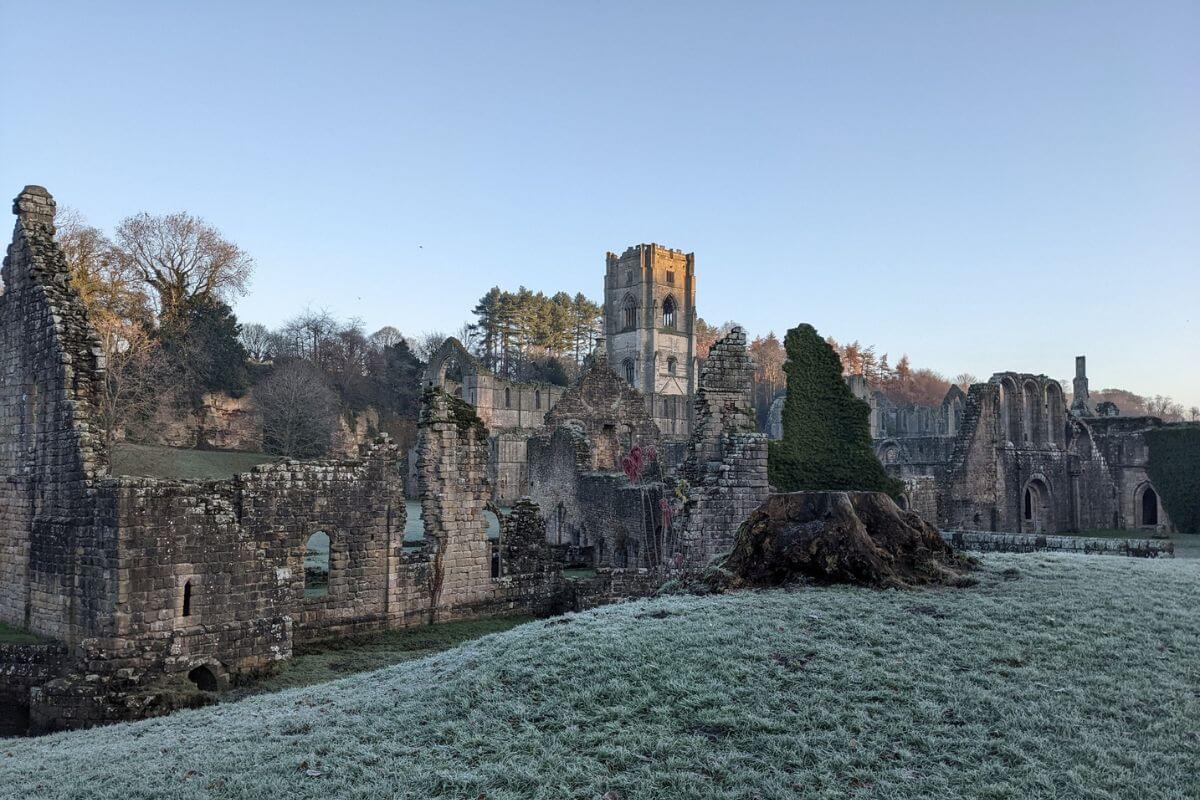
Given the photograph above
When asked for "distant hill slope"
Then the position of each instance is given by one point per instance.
(1064, 676)
(153, 461)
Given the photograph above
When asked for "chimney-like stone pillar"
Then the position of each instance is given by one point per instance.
(34, 205)
(1081, 404)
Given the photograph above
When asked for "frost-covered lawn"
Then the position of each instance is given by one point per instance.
(1058, 676)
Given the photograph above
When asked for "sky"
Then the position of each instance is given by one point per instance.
(984, 186)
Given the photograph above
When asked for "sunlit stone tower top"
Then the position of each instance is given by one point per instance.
(650, 329)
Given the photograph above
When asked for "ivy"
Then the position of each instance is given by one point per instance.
(1174, 469)
(826, 429)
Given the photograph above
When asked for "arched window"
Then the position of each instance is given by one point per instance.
(672, 365)
(669, 312)
(628, 364)
(1028, 504)
(187, 598)
(316, 565)
(629, 313)
(507, 397)
(537, 398)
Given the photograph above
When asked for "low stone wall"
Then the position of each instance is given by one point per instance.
(22, 667)
(613, 586)
(991, 542)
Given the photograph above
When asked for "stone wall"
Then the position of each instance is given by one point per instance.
(994, 542)
(57, 575)
(22, 668)
(576, 478)
(726, 465)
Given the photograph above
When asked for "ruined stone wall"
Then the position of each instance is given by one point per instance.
(726, 465)
(508, 466)
(57, 575)
(359, 505)
(556, 459)
(610, 414)
(452, 469)
(22, 668)
(921, 496)
(575, 472)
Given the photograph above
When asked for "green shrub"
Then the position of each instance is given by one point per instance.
(826, 429)
(1174, 469)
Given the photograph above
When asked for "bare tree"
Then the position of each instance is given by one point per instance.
(257, 340)
(1164, 408)
(135, 377)
(427, 343)
(1194, 411)
(309, 335)
(103, 283)
(385, 337)
(965, 380)
(180, 256)
(299, 411)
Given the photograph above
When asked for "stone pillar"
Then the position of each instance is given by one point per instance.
(1081, 404)
(726, 463)
(452, 467)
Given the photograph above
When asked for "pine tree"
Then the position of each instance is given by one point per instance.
(826, 431)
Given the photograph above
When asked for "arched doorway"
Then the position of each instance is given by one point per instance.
(1035, 507)
(204, 679)
(1148, 507)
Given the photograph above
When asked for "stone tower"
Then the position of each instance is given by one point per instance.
(650, 330)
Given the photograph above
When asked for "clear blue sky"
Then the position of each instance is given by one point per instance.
(984, 185)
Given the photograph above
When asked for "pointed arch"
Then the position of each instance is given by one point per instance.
(668, 310)
(628, 313)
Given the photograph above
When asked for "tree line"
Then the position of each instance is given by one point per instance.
(158, 292)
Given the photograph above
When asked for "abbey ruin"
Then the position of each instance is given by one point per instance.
(647, 464)
(139, 583)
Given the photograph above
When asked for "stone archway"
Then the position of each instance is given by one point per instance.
(1035, 507)
(1146, 506)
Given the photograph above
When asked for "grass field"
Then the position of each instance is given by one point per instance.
(1057, 676)
(11, 635)
(326, 661)
(150, 461)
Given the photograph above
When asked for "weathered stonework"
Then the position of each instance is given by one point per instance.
(650, 330)
(726, 464)
(1015, 459)
(576, 476)
(145, 583)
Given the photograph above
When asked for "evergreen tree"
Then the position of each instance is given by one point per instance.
(201, 339)
(826, 431)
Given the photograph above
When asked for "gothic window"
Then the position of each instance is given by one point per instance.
(537, 398)
(187, 599)
(669, 312)
(672, 365)
(507, 397)
(628, 364)
(629, 313)
(629, 277)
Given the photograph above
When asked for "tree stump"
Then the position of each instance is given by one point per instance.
(861, 538)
